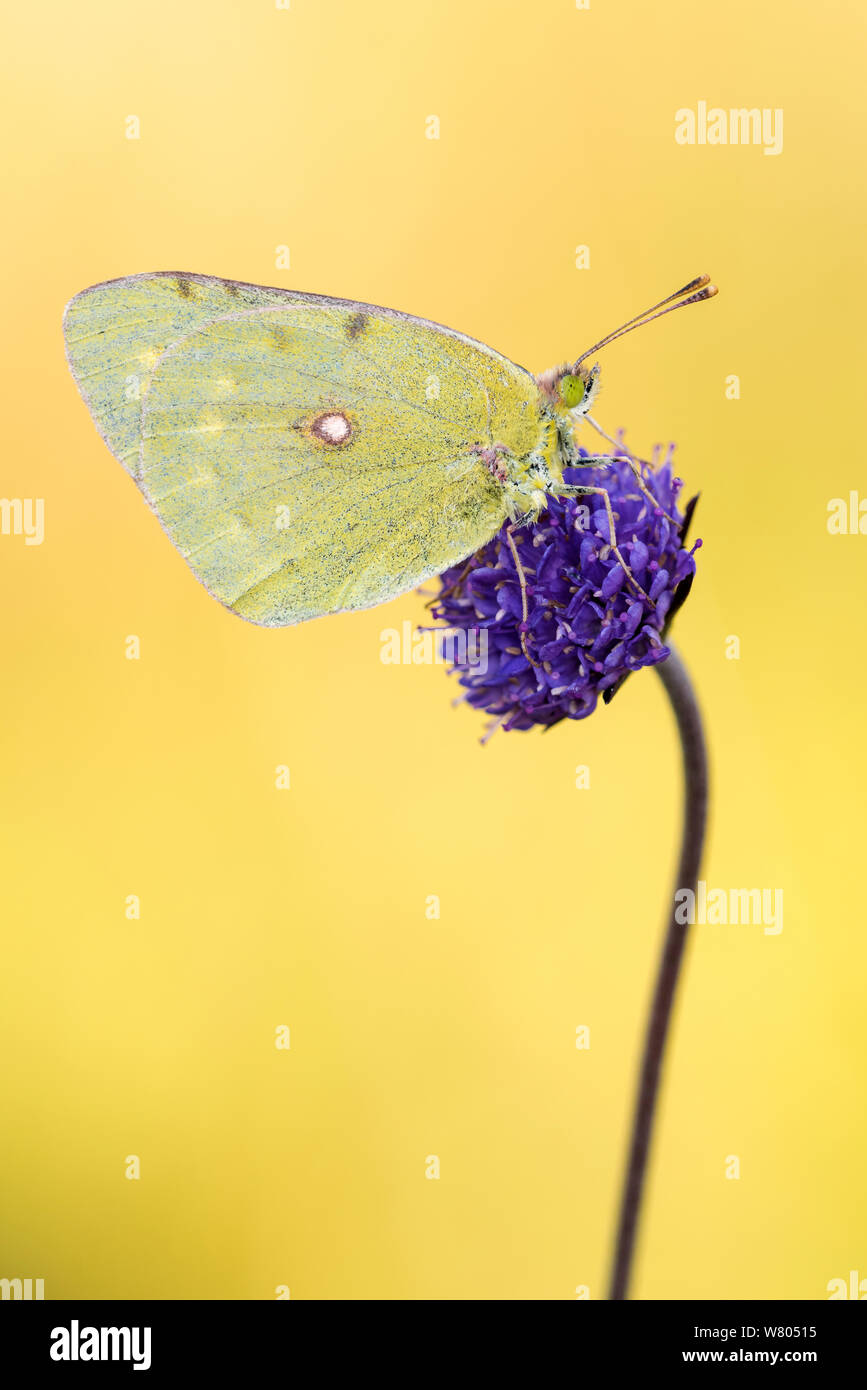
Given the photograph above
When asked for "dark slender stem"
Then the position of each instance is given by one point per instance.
(680, 692)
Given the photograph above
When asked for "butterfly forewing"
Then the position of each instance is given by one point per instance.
(305, 455)
(115, 334)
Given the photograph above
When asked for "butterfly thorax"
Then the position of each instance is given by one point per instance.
(527, 481)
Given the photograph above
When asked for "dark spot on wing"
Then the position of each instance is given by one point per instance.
(356, 325)
(185, 288)
(281, 338)
(231, 288)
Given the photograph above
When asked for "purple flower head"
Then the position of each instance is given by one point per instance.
(587, 626)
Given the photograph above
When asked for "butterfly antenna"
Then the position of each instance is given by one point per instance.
(698, 289)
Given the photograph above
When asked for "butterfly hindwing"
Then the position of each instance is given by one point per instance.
(306, 455)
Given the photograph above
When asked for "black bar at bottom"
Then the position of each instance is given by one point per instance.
(218, 1339)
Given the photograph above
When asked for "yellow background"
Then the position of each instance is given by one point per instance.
(259, 1167)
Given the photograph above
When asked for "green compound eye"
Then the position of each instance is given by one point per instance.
(571, 390)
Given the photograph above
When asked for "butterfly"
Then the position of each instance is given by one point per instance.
(309, 455)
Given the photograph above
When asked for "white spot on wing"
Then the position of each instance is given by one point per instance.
(333, 428)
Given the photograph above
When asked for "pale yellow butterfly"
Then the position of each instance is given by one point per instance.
(309, 455)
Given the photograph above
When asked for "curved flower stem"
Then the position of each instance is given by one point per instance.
(680, 692)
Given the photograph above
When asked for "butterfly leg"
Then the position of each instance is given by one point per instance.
(522, 580)
(634, 463)
(453, 588)
(578, 490)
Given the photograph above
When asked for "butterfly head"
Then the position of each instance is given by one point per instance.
(569, 390)
(577, 388)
